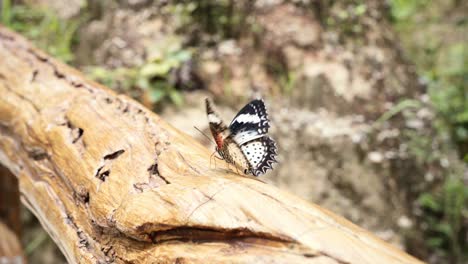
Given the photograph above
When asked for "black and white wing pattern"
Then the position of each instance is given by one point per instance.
(245, 142)
(261, 154)
(248, 129)
(250, 123)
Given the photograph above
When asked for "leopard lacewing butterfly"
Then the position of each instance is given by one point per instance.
(245, 143)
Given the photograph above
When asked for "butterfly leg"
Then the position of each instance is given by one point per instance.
(215, 158)
(237, 170)
(211, 157)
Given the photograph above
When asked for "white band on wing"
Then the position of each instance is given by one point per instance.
(247, 118)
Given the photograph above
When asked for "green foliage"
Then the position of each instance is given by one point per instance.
(443, 224)
(404, 9)
(153, 77)
(402, 105)
(441, 61)
(5, 11)
(287, 82)
(43, 27)
(448, 84)
(345, 17)
(181, 13)
(223, 18)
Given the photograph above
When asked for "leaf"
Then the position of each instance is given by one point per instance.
(6, 12)
(143, 83)
(428, 201)
(157, 95)
(176, 97)
(173, 45)
(435, 242)
(461, 132)
(462, 117)
(452, 60)
(172, 62)
(155, 53)
(445, 229)
(360, 9)
(403, 9)
(155, 69)
(402, 105)
(182, 55)
(97, 72)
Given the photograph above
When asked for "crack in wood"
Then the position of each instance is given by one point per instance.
(209, 198)
(79, 135)
(76, 134)
(188, 164)
(114, 155)
(83, 240)
(56, 72)
(37, 154)
(82, 237)
(207, 234)
(81, 194)
(34, 75)
(340, 261)
(102, 175)
(153, 170)
(101, 172)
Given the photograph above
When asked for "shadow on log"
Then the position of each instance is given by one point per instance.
(112, 182)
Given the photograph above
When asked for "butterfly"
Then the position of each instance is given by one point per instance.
(245, 143)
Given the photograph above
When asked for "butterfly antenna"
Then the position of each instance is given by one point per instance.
(204, 134)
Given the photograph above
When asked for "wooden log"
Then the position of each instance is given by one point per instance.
(110, 181)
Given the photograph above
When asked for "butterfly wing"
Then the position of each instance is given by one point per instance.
(217, 126)
(261, 154)
(250, 123)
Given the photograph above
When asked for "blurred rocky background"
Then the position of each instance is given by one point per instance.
(368, 99)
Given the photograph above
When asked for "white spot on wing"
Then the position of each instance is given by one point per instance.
(246, 136)
(247, 118)
(255, 153)
(213, 118)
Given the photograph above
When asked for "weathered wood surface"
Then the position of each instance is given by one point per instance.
(112, 182)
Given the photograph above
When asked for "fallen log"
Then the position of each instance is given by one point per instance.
(111, 181)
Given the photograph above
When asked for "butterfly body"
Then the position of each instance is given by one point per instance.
(244, 143)
(231, 153)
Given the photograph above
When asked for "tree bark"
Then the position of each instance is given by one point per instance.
(112, 182)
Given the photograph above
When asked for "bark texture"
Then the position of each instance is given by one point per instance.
(112, 182)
